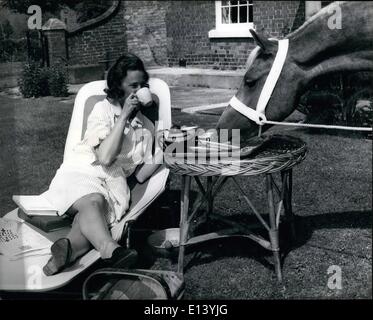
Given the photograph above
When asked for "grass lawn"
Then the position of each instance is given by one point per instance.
(332, 199)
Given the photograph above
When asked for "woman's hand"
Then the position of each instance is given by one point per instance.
(131, 107)
(109, 148)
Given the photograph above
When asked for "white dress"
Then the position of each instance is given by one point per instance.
(82, 174)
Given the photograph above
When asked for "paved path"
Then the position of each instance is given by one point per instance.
(193, 99)
(193, 105)
(190, 99)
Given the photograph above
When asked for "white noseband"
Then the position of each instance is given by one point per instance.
(258, 115)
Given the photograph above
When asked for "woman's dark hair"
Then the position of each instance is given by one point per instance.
(119, 71)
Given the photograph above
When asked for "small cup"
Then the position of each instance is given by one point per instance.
(145, 96)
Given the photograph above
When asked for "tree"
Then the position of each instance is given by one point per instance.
(6, 30)
(21, 6)
(89, 10)
(85, 9)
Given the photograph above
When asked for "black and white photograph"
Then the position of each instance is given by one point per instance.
(195, 152)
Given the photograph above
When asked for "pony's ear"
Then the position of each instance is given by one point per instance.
(262, 41)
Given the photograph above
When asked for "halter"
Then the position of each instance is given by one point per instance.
(258, 115)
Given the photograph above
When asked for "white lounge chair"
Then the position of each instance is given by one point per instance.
(26, 274)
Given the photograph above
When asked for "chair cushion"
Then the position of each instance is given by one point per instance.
(88, 107)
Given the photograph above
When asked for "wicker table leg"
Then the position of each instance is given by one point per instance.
(184, 223)
(287, 178)
(209, 202)
(273, 232)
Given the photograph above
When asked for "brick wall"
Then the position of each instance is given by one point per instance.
(188, 25)
(276, 18)
(146, 31)
(189, 22)
(163, 32)
(91, 45)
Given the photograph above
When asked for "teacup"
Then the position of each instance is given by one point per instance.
(145, 96)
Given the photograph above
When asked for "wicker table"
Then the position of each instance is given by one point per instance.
(278, 157)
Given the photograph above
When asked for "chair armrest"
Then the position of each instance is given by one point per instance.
(145, 171)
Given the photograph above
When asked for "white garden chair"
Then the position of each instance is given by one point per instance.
(14, 274)
(142, 194)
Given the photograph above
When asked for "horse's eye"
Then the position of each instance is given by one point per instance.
(250, 83)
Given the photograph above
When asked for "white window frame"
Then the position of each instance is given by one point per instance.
(224, 30)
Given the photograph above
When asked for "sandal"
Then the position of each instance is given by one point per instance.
(61, 256)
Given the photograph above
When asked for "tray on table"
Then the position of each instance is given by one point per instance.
(267, 154)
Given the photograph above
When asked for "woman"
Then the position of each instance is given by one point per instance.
(92, 185)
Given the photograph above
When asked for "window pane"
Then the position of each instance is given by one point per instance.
(243, 2)
(243, 14)
(225, 3)
(251, 19)
(234, 14)
(225, 15)
(234, 3)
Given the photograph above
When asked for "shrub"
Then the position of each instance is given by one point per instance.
(30, 83)
(339, 99)
(57, 82)
(360, 108)
(43, 80)
(321, 107)
(39, 81)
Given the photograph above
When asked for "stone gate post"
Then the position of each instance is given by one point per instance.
(55, 32)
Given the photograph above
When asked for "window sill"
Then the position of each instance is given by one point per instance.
(231, 33)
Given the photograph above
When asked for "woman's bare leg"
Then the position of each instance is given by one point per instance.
(89, 227)
(79, 243)
(93, 225)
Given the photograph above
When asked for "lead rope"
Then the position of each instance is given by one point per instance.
(260, 131)
(310, 125)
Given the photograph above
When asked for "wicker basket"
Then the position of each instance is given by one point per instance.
(281, 152)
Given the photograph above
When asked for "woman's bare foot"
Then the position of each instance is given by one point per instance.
(61, 257)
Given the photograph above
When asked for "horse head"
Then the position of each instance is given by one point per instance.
(315, 49)
(283, 98)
